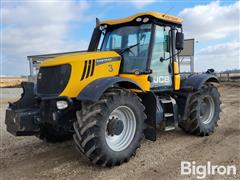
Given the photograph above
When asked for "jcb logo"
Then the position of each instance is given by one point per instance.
(161, 79)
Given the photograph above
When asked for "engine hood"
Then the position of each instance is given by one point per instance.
(71, 58)
(85, 67)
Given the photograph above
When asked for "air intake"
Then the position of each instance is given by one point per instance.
(88, 69)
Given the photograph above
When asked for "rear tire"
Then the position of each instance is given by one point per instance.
(203, 112)
(93, 137)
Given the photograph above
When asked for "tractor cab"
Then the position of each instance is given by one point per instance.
(147, 44)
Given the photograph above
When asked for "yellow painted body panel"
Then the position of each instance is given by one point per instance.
(76, 57)
(176, 68)
(141, 80)
(177, 78)
(157, 15)
(75, 84)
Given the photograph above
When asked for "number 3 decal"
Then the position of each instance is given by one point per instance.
(110, 68)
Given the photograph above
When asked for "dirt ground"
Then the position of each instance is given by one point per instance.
(30, 158)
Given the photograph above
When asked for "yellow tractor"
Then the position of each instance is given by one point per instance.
(125, 87)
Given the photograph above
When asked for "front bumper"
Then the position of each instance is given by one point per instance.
(26, 116)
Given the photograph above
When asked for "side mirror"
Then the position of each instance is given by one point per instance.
(179, 41)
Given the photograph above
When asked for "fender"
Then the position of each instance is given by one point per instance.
(94, 90)
(196, 81)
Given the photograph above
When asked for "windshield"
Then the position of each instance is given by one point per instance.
(133, 42)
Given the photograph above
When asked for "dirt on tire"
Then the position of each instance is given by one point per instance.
(31, 158)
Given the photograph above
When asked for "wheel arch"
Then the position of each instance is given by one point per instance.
(196, 81)
(95, 89)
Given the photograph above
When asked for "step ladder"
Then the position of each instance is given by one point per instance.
(170, 120)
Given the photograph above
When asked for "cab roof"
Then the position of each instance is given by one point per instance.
(156, 15)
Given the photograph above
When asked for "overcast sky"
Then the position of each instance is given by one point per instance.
(34, 27)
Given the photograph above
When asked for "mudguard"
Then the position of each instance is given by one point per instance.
(95, 89)
(196, 81)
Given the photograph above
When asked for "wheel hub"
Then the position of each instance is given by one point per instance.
(115, 127)
(120, 128)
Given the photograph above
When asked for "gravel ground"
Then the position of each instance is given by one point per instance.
(30, 158)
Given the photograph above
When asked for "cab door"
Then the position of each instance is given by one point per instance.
(160, 59)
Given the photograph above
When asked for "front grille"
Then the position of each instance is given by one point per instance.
(53, 80)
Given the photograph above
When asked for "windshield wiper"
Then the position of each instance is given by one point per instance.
(128, 48)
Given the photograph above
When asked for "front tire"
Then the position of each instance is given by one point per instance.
(109, 131)
(203, 112)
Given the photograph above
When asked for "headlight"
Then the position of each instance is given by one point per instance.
(62, 104)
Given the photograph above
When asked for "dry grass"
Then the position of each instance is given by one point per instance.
(11, 81)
